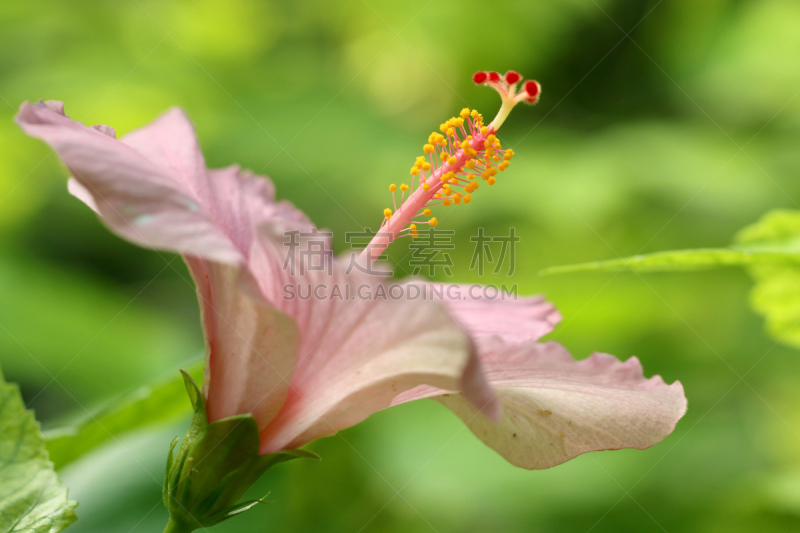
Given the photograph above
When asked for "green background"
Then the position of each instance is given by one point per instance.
(662, 125)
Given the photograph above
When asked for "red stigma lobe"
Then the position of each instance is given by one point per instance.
(512, 77)
(480, 77)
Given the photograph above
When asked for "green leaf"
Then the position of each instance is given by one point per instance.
(776, 294)
(769, 249)
(159, 402)
(31, 497)
(682, 260)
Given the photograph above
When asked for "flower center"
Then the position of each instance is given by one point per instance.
(454, 159)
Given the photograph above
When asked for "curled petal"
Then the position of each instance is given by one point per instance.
(138, 199)
(555, 408)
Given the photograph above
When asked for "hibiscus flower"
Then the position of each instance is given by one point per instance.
(305, 368)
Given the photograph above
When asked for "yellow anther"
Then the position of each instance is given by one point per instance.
(491, 181)
(486, 175)
(464, 113)
(426, 166)
(446, 202)
(453, 180)
(452, 161)
(458, 122)
(456, 198)
(428, 148)
(425, 186)
(509, 154)
(489, 152)
(443, 127)
(475, 114)
(484, 130)
(496, 157)
(467, 199)
(433, 222)
(412, 227)
(387, 213)
(426, 212)
(503, 165)
(449, 175)
(491, 139)
(414, 233)
(464, 145)
(414, 171)
(470, 164)
(451, 132)
(404, 187)
(392, 187)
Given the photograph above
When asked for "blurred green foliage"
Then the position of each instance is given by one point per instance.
(673, 138)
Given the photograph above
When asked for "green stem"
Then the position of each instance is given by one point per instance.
(174, 526)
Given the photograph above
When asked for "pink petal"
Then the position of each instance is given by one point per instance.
(357, 354)
(250, 345)
(513, 319)
(555, 408)
(138, 199)
(170, 143)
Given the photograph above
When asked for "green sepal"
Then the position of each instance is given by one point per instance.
(214, 466)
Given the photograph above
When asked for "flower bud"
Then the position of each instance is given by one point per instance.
(214, 466)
